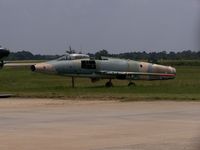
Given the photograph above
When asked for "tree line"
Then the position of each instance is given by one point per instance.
(147, 56)
(26, 55)
(153, 56)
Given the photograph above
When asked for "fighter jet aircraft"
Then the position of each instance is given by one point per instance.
(80, 65)
(3, 53)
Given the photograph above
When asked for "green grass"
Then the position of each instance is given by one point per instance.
(23, 83)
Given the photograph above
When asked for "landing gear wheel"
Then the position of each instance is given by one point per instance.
(131, 84)
(109, 84)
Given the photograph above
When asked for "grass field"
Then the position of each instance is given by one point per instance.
(23, 83)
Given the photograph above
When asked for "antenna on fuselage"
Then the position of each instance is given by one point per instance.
(70, 51)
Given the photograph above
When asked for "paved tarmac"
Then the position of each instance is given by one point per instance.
(39, 124)
(13, 64)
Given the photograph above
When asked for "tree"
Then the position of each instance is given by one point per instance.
(102, 52)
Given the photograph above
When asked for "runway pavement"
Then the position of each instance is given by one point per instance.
(14, 64)
(38, 124)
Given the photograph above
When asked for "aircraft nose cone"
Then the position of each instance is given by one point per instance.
(174, 70)
(6, 52)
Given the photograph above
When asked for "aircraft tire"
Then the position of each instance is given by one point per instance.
(131, 84)
(108, 84)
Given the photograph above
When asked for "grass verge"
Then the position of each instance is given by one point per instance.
(21, 82)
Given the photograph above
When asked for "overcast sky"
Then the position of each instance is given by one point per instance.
(50, 26)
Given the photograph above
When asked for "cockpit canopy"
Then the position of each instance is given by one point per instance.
(73, 57)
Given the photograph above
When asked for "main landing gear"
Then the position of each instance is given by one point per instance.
(73, 83)
(131, 83)
(109, 83)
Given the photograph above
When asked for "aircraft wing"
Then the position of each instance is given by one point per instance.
(133, 73)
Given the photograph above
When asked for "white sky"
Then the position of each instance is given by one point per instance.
(50, 26)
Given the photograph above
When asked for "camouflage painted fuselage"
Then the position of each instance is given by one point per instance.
(107, 68)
